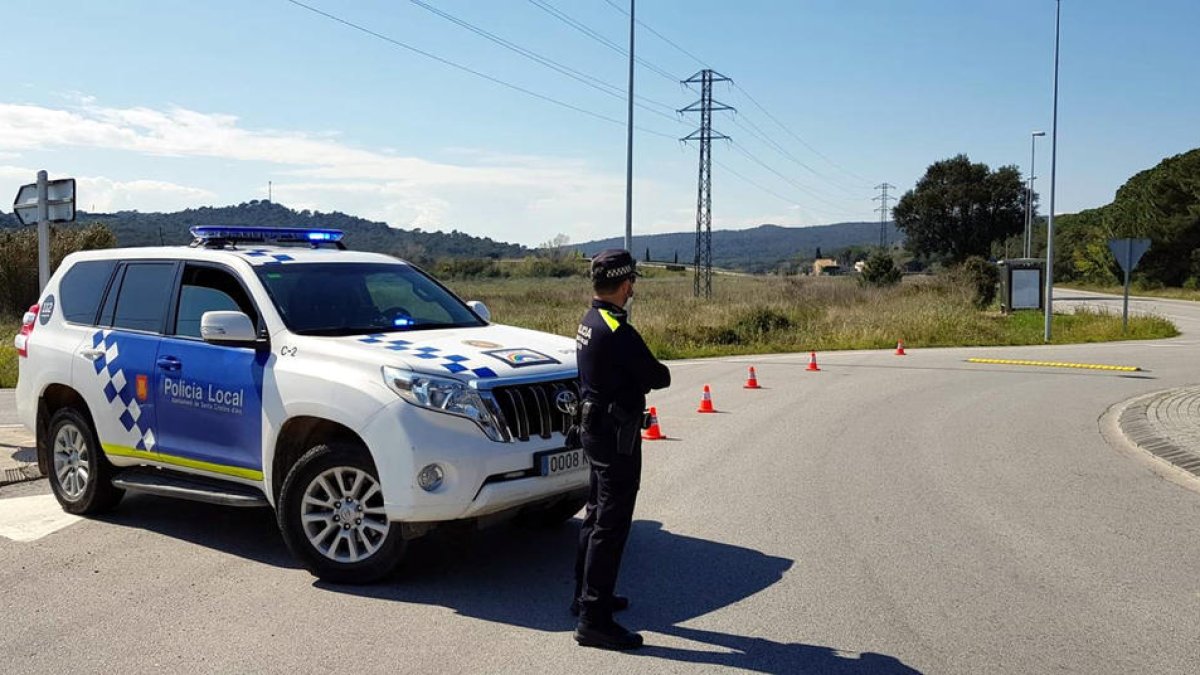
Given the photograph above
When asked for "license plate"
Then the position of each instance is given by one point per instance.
(566, 461)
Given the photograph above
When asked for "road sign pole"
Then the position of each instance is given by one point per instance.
(43, 230)
(1128, 266)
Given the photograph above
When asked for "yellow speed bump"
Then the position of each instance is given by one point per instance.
(1055, 364)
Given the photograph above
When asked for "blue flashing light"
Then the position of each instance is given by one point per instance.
(403, 321)
(265, 234)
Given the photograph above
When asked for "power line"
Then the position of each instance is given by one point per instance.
(589, 80)
(790, 181)
(755, 131)
(797, 137)
(598, 37)
(472, 71)
(749, 181)
(754, 101)
(657, 34)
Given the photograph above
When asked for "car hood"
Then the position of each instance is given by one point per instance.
(486, 353)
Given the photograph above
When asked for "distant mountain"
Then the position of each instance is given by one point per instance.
(134, 228)
(758, 249)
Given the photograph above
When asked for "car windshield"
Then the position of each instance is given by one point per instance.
(359, 298)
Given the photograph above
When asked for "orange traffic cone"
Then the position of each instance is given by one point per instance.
(812, 361)
(653, 433)
(706, 405)
(752, 380)
(900, 348)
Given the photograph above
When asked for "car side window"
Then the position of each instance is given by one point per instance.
(145, 292)
(209, 289)
(82, 288)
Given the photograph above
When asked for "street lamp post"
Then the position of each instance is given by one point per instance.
(1053, 168)
(1029, 195)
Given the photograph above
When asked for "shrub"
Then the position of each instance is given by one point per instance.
(980, 276)
(759, 321)
(880, 270)
(19, 260)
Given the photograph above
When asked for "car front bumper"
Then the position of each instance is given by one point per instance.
(481, 476)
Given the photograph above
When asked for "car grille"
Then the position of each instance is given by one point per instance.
(528, 410)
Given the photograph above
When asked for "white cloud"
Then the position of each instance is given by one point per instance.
(509, 197)
(99, 194)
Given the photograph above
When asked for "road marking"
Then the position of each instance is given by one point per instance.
(31, 518)
(1055, 364)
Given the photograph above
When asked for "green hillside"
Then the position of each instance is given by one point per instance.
(1161, 204)
(134, 228)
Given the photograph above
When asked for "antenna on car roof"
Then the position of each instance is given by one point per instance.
(210, 236)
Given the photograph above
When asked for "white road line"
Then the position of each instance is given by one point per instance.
(31, 518)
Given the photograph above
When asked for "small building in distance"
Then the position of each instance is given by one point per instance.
(826, 267)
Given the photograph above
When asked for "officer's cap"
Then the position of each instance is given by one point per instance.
(613, 263)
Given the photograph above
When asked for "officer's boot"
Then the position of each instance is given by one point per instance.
(606, 635)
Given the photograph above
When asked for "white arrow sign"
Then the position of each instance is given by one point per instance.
(60, 202)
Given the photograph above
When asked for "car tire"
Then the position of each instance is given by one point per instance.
(80, 475)
(557, 513)
(331, 514)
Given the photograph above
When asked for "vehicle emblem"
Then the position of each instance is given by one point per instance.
(566, 401)
(482, 344)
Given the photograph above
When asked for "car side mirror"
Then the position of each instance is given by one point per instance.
(226, 328)
(480, 309)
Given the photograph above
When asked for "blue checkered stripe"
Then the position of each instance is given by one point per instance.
(454, 363)
(119, 391)
(262, 256)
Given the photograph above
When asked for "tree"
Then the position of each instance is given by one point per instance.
(958, 209)
(19, 260)
(880, 270)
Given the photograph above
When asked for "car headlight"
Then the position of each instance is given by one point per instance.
(442, 394)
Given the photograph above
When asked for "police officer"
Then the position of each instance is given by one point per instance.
(616, 371)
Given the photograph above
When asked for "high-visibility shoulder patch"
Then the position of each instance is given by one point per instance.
(609, 319)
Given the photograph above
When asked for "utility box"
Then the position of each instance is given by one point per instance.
(1022, 284)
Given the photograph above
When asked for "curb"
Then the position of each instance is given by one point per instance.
(21, 474)
(1137, 427)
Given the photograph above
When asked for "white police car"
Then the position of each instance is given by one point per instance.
(351, 391)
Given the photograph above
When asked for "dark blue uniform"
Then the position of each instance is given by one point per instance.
(616, 371)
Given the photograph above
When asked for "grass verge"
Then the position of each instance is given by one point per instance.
(771, 314)
(756, 315)
(1169, 293)
(9, 328)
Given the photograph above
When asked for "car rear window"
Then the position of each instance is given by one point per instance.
(144, 295)
(81, 289)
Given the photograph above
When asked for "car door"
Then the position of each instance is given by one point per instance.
(209, 396)
(122, 349)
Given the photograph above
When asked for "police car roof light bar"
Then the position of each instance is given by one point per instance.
(213, 236)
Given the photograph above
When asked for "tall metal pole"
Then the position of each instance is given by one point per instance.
(1028, 251)
(883, 211)
(629, 145)
(1053, 168)
(43, 231)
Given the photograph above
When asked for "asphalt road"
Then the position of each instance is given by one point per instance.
(887, 514)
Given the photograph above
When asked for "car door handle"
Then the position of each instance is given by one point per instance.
(91, 354)
(169, 363)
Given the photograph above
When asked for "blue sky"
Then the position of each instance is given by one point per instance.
(164, 105)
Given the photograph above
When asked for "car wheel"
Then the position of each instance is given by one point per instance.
(80, 475)
(332, 516)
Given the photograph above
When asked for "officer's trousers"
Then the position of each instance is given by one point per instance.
(615, 479)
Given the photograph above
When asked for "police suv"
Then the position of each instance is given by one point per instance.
(350, 391)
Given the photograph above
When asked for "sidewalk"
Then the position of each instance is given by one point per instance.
(18, 457)
(1167, 424)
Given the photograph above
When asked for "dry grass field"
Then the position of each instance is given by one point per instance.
(749, 315)
(773, 314)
